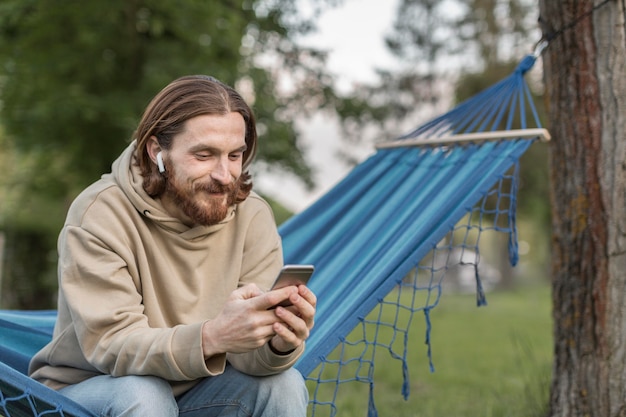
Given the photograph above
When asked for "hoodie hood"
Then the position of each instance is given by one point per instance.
(126, 174)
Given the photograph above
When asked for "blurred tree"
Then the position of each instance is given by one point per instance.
(449, 51)
(585, 76)
(28, 258)
(74, 80)
(435, 42)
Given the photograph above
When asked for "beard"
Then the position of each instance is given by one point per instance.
(204, 203)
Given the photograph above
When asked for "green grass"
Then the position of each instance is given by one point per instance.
(492, 361)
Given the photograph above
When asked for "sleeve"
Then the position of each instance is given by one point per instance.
(107, 313)
(262, 260)
(263, 361)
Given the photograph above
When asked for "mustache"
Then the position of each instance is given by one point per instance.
(214, 187)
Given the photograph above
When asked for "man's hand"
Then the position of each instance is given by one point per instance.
(246, 321)
(295, 322)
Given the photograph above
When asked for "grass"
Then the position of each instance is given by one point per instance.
(492, 361)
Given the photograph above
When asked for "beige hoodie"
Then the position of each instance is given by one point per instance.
(136, 285)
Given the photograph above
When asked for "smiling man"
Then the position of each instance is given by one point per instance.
(203, 176)
(165, 266)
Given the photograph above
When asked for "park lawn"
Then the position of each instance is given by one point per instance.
(491, 361)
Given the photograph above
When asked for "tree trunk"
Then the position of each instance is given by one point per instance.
(585, 75)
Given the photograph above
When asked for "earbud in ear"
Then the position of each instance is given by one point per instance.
(160, 164)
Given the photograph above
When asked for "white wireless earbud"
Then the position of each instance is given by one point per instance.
(160, 164)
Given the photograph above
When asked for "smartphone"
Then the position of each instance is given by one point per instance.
(292, 275)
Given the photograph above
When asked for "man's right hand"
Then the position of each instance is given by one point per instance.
(245, 322)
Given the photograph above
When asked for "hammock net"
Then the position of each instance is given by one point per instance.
(382, 241)
(383, 238)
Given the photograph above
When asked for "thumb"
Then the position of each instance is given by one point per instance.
(246, 292)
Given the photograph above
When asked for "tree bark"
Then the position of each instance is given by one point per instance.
(585, 76)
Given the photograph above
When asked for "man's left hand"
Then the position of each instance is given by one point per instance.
(295, 322)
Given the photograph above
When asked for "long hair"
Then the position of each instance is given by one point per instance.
(181, 100)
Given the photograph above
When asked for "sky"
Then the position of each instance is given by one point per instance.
(354, 36)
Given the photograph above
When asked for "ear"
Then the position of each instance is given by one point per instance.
(153, 148)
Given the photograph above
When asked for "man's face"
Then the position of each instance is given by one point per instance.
(203, 168)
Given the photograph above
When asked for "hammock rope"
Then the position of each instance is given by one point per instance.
(378, 237)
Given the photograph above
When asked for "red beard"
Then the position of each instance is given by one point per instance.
(199, 202)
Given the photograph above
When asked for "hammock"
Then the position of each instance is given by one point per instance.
(376, 240)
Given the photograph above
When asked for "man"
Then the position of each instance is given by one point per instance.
(164, 270)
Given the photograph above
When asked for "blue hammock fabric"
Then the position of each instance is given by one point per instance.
(373, 235)
(373, 239)
(22, 334)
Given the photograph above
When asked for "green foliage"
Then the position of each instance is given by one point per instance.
(32, 282)
(281, 213)
(75, 79)
(479, 32)
(9, 173)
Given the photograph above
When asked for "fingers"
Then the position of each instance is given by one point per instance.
(291, 331)
(246, 292)
(246, 321)
(310, 298)
(284, 340)
(272, 298)
(305, 302)
(237, 329)
(289, 294)
(296, 321)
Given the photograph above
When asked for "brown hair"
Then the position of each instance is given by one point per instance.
(179, 101)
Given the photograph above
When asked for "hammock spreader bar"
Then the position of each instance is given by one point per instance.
(474, 137)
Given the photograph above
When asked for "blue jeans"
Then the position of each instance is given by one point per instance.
(232, 394)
